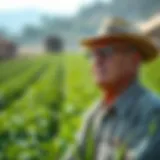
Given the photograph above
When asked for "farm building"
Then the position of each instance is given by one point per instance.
(152, 28)
(7, 49)
(54, 44)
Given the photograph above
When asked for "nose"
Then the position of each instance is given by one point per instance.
(99, 60)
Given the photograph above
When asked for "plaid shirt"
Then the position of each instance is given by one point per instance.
(130, 131)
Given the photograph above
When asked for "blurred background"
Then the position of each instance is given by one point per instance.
(45, 78)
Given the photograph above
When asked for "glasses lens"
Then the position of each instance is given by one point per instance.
(105, 52)
(101, 52)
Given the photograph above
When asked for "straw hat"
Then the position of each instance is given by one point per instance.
(118, 29)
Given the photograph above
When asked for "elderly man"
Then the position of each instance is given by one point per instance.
(125, 123)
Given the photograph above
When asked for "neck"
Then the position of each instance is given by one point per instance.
(112, 92)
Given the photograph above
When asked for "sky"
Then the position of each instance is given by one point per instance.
(14, 14)
(51, 6)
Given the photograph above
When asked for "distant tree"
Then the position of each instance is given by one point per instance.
(138, 9)
(54, 43)
(31, 31)
(4, 33)
(31, 34)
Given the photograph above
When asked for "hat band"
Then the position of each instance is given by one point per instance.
(116, 30)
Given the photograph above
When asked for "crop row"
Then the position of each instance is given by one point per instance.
(9, 72)
(16, 86)
(80, 92)
(32, 121)
(46, 104)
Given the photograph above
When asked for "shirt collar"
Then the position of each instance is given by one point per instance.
(125, 101)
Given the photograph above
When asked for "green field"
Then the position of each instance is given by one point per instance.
(42, 100)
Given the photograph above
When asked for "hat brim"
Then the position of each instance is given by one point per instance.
(148, 50)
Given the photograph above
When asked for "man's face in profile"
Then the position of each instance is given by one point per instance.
(113, 62)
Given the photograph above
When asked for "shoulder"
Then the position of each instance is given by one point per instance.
(150, 107)
(149, 100)
(92, 110)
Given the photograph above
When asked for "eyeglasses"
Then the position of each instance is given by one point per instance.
(111, 50)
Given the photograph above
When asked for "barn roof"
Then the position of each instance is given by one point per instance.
(6, 42)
